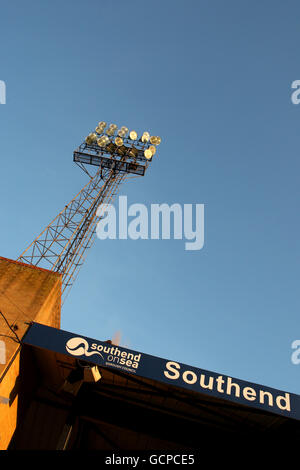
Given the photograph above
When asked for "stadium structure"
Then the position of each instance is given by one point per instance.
(60, 390)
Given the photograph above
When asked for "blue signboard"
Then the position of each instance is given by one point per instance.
(163, 370)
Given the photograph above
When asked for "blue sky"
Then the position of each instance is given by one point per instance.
(213, 79)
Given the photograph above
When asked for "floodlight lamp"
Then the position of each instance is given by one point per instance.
(155, 140)
(91, 138)
(148, 154)
(110, 131)
(121, 133)
(118, 141)
(103, 141)
(111, 147)
(122, 150)
(145, 137)
(101, 126)
(133, 152)
(133, 135)
(153, 149)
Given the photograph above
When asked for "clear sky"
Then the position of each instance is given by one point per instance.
(213, 79)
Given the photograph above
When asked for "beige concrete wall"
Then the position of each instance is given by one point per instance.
(27, 294)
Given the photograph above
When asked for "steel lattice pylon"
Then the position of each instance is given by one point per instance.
(63, 244)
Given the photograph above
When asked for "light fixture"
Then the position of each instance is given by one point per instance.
(115, 141)
(145, 137)
(153, 149)
(133, 135)
(118, 141)
(111, 147)
(91, 138)
(148, 154)
(123, 131)
(133, 152)
(92, 374)
(73, 382)
(155, 140)
(110, 131)
(122, 150)
(104, 140)
(100, 128)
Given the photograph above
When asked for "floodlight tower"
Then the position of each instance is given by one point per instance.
(116, 154)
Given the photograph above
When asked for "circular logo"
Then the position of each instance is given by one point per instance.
(77, 346)
(80, 347)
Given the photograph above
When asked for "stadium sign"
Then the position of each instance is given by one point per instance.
(170, 372)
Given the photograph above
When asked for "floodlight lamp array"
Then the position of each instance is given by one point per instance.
(122, 142)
